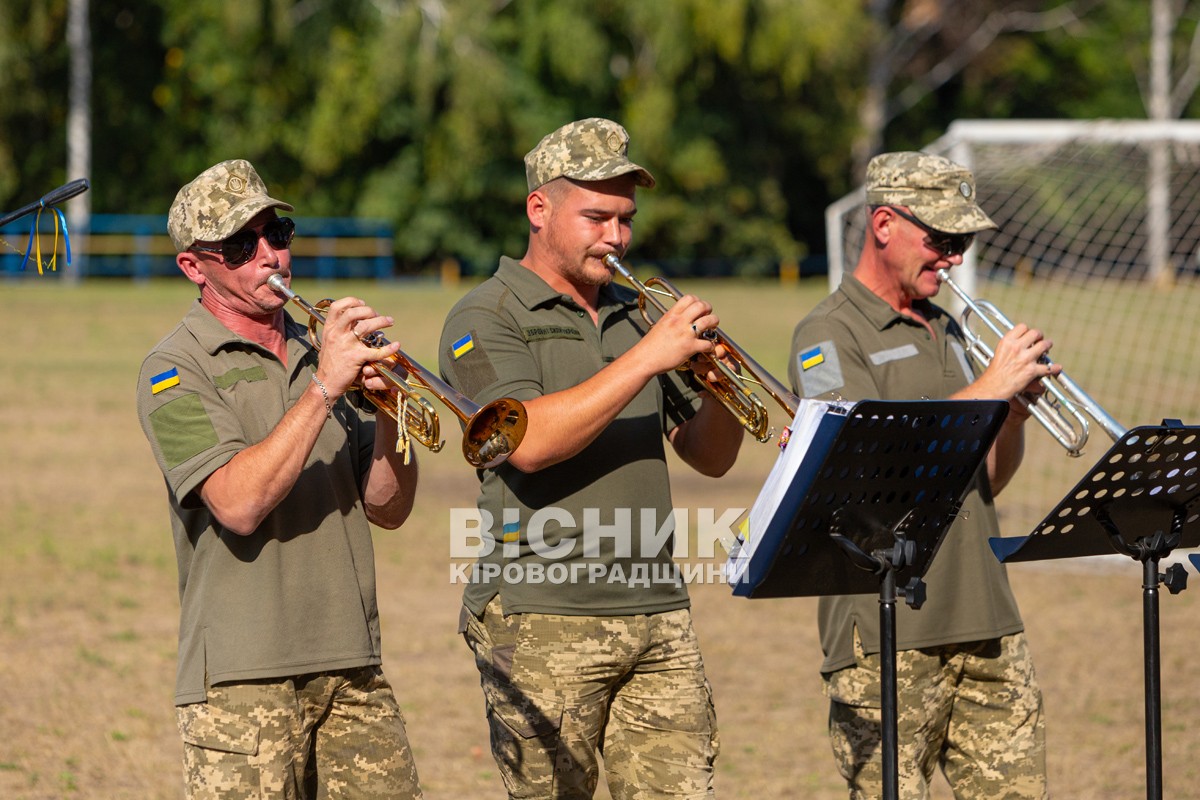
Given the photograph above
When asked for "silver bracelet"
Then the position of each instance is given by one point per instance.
(324, 394)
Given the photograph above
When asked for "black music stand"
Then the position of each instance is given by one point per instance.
(1141, 499)
(51, 198)
(889, 487)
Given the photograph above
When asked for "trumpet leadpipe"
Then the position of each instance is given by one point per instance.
(1065, 409)
(490, 432)
(730, 388)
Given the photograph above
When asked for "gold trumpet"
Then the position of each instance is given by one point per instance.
(491, 433)
(729, 388)
(1061, 409)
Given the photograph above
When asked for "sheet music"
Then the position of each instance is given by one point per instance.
(804, 427)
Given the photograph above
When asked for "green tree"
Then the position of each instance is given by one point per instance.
(921, 53)
(419, 111)
(33, 83)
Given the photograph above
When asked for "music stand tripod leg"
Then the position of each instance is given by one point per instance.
(887, 684)
(885, 563)
(1153, 678)
(1150, 550)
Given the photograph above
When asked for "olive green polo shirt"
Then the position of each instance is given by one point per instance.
(590, 535)
(855, 346)
(298, 594)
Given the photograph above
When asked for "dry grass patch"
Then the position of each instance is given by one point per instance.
(89, 608)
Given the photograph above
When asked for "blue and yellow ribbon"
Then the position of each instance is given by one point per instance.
(35, 241)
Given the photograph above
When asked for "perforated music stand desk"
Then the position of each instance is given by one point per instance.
(1141, 500)
(890, 485)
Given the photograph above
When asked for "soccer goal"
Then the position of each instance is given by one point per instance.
(1099, 247)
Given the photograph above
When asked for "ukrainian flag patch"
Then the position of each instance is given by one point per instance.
(164, 380)
(462, 346)
(512, 532)
(811, 358)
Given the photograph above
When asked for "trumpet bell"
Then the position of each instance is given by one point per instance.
(494, 432)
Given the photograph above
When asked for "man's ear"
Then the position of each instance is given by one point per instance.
(537, 208)
(881, 220)
(189, 265)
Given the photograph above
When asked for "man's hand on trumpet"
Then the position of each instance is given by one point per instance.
(678, 336)
(1017, 367)
(346, 359)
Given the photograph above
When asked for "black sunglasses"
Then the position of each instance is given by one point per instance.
(241, 247)
(948, 244)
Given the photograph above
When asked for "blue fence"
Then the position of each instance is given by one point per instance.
(137, 246)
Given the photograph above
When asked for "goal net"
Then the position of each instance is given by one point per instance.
(1099, 247)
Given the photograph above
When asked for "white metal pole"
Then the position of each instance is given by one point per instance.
(79, 129)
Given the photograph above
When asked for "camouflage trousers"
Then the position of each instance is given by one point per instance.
(974, 709)
(326, 735)
(560, 690)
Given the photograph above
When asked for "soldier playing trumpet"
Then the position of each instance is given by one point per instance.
(272, 478)
(968, 701)
(582, 635)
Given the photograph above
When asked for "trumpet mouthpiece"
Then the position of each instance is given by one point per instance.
(614, 263)
(277, 283)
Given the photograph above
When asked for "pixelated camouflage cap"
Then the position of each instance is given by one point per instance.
(218, 203)
(590, 149)
(936, 190)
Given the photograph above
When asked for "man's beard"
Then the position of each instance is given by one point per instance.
(578, 272)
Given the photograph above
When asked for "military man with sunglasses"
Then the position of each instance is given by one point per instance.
(968, 699)
(273, 478)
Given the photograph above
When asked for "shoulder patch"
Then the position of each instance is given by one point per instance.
(820, 369)
(471, 366)
(182, 429)
(164, 380)
(811, 358)
(460, 347)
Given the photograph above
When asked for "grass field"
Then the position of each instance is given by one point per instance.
(89, 604)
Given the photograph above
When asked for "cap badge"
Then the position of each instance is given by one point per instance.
(964, 189)
(236, 184)
(614, 142)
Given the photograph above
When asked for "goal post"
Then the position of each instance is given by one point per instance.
(1099, 247)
